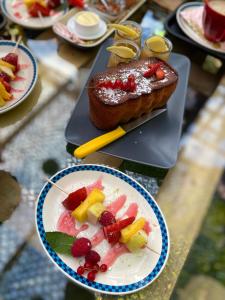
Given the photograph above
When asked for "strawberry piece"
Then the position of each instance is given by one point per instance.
(5, 77)
(160, 74)
(101, 84)
(107, 218)
(92, 257)
(74, 199)
(113, 237)
(131, 77)
(81, 247)
(117, 84)
(152, 70)
(37, 9)
(76, 3)
(119, 225)
(12, 59)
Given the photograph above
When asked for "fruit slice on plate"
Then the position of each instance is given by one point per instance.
(8, 65)
(80, 213)
(3, 92)
(2, 101)
(7, 71)
(128, 31)
(138, 241)
(157, 44)
(122, 51)
(29, 3)
(130, 230)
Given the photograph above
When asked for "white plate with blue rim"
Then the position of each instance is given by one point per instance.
(144, 265)
(26, 77)
(17, 12)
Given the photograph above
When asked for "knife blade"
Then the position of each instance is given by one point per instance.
(109, 137)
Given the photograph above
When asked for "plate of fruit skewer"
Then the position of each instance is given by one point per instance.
(34, 14)
(99, 226)
(18, 74)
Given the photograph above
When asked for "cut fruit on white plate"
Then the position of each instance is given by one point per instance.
(17, 12)
(144, 265)
(25, 78)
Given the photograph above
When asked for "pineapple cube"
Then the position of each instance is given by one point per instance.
(137, 241)
(80, 213)
(94, 212)
(2, 102)
(29, 3)
(3, 93)
(8, 71)
(131, 229)
(6, 64)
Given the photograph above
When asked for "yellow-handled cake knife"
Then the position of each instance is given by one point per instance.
(109, 137)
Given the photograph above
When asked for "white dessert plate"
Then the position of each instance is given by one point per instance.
(131, 271)
(26, 77)
(196, 32)
(102, 30)
(16, 11)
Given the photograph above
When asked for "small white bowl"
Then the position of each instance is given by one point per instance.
(86, 22)
(93, 29)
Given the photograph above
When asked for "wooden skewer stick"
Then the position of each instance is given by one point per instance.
(57, 186)
(150, 249)
(17, 44)
(40, 17)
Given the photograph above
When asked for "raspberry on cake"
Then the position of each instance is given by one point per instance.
(127, 91)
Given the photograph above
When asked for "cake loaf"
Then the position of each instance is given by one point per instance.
(111, 105)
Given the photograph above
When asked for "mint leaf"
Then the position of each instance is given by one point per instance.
(60, 242)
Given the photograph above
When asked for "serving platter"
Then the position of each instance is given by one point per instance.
(26, 77)
(16, 11)
(155, 143)
(144, 265)
(60, 28)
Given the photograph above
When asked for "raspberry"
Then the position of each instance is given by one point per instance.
(80, 270)
(103, 268)
(91, 275)
(92, 257)
(107, 218)
(12, 59)
(5, 77)
(81, 247)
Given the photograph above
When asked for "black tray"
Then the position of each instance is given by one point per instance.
(173, 28)
(155, 143)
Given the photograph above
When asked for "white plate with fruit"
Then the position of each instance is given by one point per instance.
(102, 229)
(34, 14)
(18, 74)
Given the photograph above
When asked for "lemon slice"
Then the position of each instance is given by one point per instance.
(122, 51)
(157, 44)
(128, 31)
